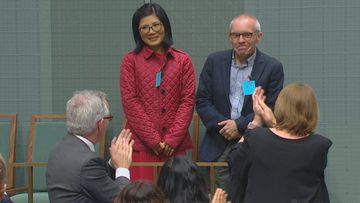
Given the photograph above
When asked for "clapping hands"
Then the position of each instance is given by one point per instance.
(121, 150)
(220, 196)
(263, 114)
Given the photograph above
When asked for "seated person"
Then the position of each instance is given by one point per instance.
(181, 180)
(75, 173)
(4, 198)
(140, 192)
(285, 162)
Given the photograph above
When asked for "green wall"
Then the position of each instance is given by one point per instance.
(48, 49)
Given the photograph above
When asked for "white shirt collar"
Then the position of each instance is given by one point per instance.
(87, 142)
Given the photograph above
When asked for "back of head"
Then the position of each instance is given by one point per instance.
(2, 175)
(296, 109)
(147, 10)
(140, 192)
(84, 109)
(182, 181)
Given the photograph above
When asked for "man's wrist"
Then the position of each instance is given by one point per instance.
(122, 172)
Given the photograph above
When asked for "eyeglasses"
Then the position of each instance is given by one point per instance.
(245, 35)
(110, 117)
(154, 26)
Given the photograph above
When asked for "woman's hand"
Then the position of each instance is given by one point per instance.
(263, 114)
(220, 196)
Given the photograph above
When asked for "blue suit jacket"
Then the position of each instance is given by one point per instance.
(212, 98)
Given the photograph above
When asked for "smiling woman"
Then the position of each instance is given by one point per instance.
(157, 86)
(152, 33)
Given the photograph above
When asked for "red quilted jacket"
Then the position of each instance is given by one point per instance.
(163, 113)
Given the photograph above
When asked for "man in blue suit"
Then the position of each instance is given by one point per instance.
(223, 99)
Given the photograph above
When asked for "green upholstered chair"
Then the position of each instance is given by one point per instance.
(45, 131)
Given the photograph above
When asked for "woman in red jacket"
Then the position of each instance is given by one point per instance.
(157, 86)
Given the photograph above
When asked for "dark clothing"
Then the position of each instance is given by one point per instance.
(212, 97)
(272, 169)
(5, 199)
(76, 174)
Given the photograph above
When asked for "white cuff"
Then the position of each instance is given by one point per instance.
(122, 172)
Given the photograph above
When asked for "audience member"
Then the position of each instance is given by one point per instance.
(141, 192)
(4, 198)
(226, 82)
(75, 173)
(286, 162)
(181, 181)
(157, 87)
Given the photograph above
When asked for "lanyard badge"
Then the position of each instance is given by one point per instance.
(158, 78)
(248, 87)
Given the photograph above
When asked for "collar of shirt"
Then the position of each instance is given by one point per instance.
(249, 61)
(148, 53)
(87, 142)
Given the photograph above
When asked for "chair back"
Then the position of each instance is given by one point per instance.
(45, 131)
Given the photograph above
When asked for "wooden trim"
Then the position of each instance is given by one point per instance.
(12, 140)
(195, 137)
(34, 119)
(156, 166)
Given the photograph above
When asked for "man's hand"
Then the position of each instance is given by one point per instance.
(121, 149)
(229, 129)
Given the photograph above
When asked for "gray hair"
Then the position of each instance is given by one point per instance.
(84, 109)
(257, 26)
(2, 171)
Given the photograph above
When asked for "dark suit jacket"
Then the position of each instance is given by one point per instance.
(76, 174)
(212, 98)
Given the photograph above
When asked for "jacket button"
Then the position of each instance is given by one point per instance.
(162, 91)
(164, 129)
(163, 110)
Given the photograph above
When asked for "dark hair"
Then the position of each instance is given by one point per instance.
(147, 10)
(140, 192)
(181, 181)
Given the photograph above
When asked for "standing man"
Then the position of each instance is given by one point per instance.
(75, 173)
(223, 99)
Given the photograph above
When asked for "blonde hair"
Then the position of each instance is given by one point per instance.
(296, 109)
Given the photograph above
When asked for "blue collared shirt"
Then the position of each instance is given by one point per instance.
(239, 73)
